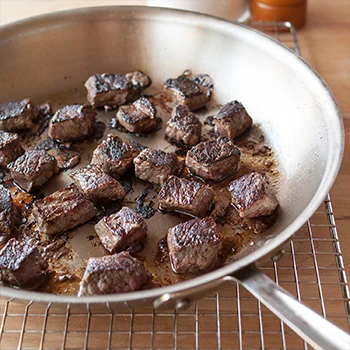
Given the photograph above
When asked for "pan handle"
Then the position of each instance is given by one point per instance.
(317, 331)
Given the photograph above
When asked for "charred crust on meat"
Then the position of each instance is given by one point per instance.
(72, 112)
(138, 80)
(106, 81)
(117, 149)
(34, 168)
(118, 273)
(109, 89)
(142, 104)
(206, 82)
(10, 147)
(17, 115)
(140, 117)
(184, 128)
(16, 108)
(232, 120)
(21, 265)
(12, 109)
(31, 161)
(72, 122)
(194, 245)
(115, 155)
(176, 182)
(9, 214)
(252, 197)
(226, 111)
(211, 152)
(63, 210)
(184, 86)
(156, 166)
(192, 91)
(123, 230)
(158, 157)
(213, 160)
(187, 196)
(96, 185)
(195, 232)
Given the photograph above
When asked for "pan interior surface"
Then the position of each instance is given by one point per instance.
(53, 55)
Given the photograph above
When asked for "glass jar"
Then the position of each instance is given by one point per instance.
(293, 11)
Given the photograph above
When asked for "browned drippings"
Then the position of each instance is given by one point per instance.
(67, 253)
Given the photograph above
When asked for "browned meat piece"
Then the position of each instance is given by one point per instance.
(118, 273)
(72, 122)
(252, 197)
(123, 230)
(213, 160)
(17, 115)
(156, 166)
(140, 117)
(185, 196)
(33, 169)
(115, 155)
(194, 245)
(183, 128)
(62, 210)
(9, 215)
(232, 120)
(10, 147)
(96, 185)
(115, 89)
(191, 91)
(45, 109)
(21, 265)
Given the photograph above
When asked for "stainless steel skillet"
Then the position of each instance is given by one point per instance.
(55, 53)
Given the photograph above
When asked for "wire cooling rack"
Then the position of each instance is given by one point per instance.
(312, 269)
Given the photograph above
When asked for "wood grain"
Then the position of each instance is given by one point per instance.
(325, 43)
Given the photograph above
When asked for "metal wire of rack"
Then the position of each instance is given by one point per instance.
(312, 269)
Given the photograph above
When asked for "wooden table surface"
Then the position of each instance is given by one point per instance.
(324, 42)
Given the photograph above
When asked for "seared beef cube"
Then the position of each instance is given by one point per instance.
(183, 128)
(252, 197)
(72, 122)
(96, 185)
(191, 91)
(17, 115)
(185, 196)
(232, 120)
(9, 215)
(115, 89)
(62, 210)
(115, 155)
(34, 168)
(156, 166)
(123, 230)
(22, 265)
(194, 245)
(118, 273)
(140, 117)
(213, 160)
(10, 147)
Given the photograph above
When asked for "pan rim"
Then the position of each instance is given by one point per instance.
(209, 22)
